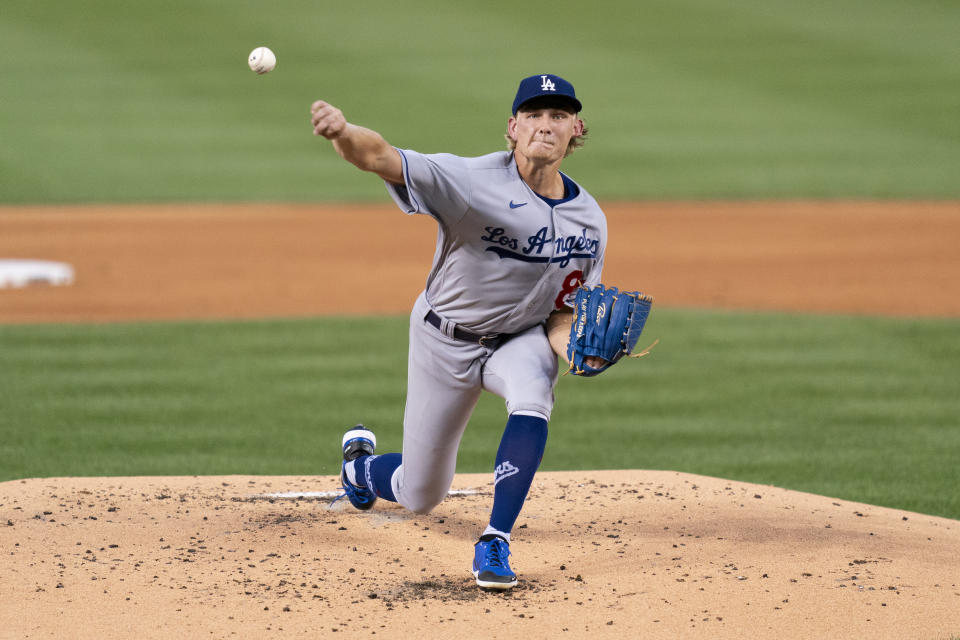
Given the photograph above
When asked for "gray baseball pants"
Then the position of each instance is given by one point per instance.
(444, 379)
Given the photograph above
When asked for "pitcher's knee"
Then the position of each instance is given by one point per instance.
(423, 509)
(422, 500)
(423, 503)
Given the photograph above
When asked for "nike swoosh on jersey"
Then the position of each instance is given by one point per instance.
(517, 206)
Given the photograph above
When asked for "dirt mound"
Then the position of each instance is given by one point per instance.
(605, 554)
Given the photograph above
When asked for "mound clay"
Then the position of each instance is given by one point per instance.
(618, 554)
(600, 554)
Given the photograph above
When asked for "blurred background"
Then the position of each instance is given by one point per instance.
(107, 101)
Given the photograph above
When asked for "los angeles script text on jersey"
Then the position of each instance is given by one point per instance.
(504, 258)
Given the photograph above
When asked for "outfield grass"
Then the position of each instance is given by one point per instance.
(105, 100)
(863, 409)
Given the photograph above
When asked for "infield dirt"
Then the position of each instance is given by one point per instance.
(223, 261)
(635, 554)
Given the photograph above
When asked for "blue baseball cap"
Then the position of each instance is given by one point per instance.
(545, 85)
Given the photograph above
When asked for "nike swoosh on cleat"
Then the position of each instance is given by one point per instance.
(517, 206)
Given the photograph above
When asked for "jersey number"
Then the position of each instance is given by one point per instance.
(570, 284)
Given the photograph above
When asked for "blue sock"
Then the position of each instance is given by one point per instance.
(375, 472)
(521, 449)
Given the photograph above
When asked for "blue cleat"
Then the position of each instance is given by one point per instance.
(357, 442)
(490, 566)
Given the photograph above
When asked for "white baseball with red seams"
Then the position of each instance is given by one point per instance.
(262, 60)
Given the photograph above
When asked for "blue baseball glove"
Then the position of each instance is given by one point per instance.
(606, 324)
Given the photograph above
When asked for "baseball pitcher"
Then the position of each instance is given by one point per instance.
(515, 282)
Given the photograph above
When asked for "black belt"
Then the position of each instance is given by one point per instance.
(491, 341)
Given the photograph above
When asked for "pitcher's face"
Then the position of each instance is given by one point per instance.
(543, 134)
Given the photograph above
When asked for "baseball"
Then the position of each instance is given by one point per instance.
(262, 60)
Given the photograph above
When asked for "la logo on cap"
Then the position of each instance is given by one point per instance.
(545, 84)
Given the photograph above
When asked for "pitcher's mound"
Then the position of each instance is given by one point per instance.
(618, 554)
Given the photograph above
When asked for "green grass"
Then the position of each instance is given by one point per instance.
(106, 100)
(863, 409)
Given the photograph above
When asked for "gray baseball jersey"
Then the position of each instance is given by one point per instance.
(505, 259)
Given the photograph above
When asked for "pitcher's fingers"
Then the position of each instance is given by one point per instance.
(323, 113)
(329, 126)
